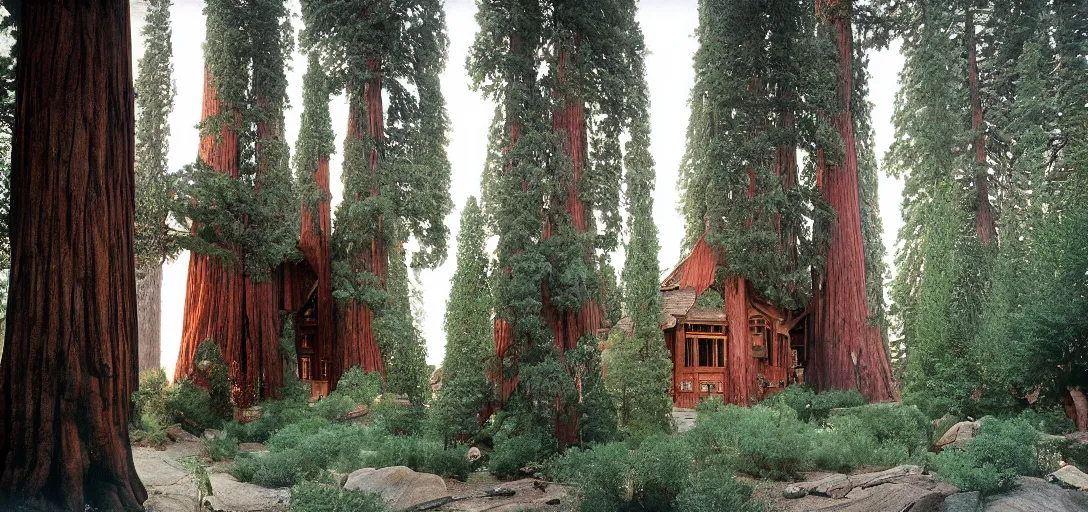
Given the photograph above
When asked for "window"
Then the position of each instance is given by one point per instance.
(689, 353)
(685, 385)
(710, 387)
(757, 328)
(325, 369)
(711, 352)
(304, 368)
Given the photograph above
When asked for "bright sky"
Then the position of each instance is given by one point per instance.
(668, 25)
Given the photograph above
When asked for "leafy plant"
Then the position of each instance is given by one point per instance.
(314, 497)
(992, 461)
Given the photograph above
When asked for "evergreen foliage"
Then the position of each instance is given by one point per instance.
(640, 367)
(590, 55)
(399, 337)
(764, 88)
(469, 334)
(155, 90)
(315, 138)
(242, 218)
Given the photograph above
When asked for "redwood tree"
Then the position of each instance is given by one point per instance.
(760, 87)
(553, 196)
(154, 237)
(234, 196)
(849, 352)
(396, 174)
(70, 362)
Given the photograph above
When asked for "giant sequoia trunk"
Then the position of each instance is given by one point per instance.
(149, 316)
(742, 386)
(314, 244)
(214, 293)
(358, 346)
(70, 362)
(984, 217)
(848, 352)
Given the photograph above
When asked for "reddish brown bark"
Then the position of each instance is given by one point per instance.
(1076, 406)
(358, 346)
(314, 244)
(848, 352)
(742, 387)
(984, 217)
(70, 361)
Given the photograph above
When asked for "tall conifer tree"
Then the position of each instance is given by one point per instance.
(396, 173)
(554, 194)
(639, 372)
(470, 344)
(234, 195)
(154, 237)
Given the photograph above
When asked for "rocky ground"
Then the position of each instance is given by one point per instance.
(172, 487)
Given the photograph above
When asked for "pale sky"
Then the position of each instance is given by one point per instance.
(668, 26)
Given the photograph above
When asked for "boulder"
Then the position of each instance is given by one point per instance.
(866, 480)
(212, 433)
(500, 492)
(252, 447)
(178, 434)
(888, 497)
(962, 502)
(400, 487)
(833, 486)
(474, 454)
(1069, 477)
(230, 495)
(792, 492)
(958, 435)
(1035, 495)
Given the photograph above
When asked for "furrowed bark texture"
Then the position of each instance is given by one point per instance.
(70, 362)
(214, 294)
(314, 244)
(742, 386)
(358, 346)
(149, 317)
(984, 216)
(848, 352)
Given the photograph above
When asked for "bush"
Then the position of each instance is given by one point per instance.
(1002, 451)
(712, 491)
(662, 466)
(798, 398)
(422, 455)
(312, 497)
(304, 451)
(1049, 420)
(815, 407)
(150, 431)
(209, 361)
(361, 387)
(878, 434)
(399, 419)
(601, 475)
(760, 441)
(221, 448)
(512, 453)
(151, 396)
(189, 405)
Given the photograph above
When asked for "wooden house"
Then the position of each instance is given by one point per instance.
(705, 359)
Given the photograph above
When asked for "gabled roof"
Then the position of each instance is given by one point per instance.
(678, 302)
(697, 270)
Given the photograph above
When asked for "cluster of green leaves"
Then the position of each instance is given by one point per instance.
(150, 409)
(422, 454)
(470, 346)
(154, 241)
(239, 212)
(315, 139)
(551, 255)
(316, 497)
(978, 318)
(304, 450)
(664, 474)
(1002, 451)
(812, 406)
(764, 89)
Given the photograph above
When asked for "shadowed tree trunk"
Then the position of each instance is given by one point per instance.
(314, 244)
(214, 294)
(358, 346)
(742, 386)
(70, 362)
(149, 305)
(848, 352)
(984, 217)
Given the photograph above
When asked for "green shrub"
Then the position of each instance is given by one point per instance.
(313, 497)
(600, 474)
(513, 452)
(662, 465)
(422, 455)
(797, 397)
(712, 491)
(275, 414)
(361, 387)
(150, 431)
(761, 441)
(992, 461)
(304, 451)
(823, 403)
(209, 361)
(399, 419)
(877, 434)
(221, 448)
(1051, 420)
(151, 396)
(941, 425)
(190, 406)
